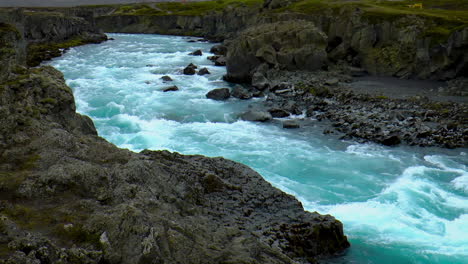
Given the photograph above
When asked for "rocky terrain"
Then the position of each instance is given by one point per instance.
(69, 196)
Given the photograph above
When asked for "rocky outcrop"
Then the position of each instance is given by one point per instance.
(46, 34)
(291, 45)
(217, 24)
(69, 196)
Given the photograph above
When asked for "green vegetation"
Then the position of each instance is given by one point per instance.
(10, 181)
(182, 9)
(40, 52)
(441, 17)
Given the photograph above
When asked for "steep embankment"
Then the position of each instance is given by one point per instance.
(46, 33)
(384, 38)
(69, 196)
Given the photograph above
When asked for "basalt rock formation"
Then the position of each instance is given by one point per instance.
(69, 196)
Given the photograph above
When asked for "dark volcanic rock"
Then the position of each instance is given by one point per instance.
(291, 124)
(190, 69)
(196, 53)
(166, 78)
(276, 112)
(203, 71)
(219, 50)
(219, 94)
(302, 47)
(171, 89)
(241, 93)
(220, 61)
(256, 116)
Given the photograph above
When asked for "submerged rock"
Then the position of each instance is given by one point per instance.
(196, 53)
(256, 116)
(219, 94)
(190, 69)
(171, 89)
(291, 124)
(166, 78)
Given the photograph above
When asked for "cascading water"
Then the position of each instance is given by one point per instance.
(398, 205)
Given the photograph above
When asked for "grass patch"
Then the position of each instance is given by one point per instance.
(182, 9)
(441, 17)
(45, 51)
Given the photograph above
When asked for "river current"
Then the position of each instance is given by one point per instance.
(398, 205)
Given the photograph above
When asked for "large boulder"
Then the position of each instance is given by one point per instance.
(291, 45)
(219, 94)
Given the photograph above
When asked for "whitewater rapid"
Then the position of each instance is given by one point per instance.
(398, 205)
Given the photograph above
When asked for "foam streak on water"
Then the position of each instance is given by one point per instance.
(398, 205)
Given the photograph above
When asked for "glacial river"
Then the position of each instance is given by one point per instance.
(398, 205)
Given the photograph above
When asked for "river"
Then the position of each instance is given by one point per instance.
(398, 205)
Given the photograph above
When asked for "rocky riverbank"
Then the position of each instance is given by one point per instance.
(330, 97)
(69, 196)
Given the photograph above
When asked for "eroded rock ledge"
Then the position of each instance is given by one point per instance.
(69, 196)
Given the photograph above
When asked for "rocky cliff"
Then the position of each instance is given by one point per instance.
(46, 33)
(69, 196)
(385, 39)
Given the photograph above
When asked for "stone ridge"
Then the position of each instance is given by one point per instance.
(69, 196)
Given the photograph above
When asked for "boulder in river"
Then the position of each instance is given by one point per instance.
(277, 112)
(190, 69)
(219, 94)
(291, 124)
(256, 116)
(171, 89)
(166, 78)
(203, 71)
(196, 53)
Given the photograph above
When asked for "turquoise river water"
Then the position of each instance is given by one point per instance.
(398, 205)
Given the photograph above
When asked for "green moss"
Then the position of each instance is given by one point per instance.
(319, 91)
(40, 52)
(441, 17)
(10, 181)
(381, 97)
(51, 101)
(183, 9)
(76, 233)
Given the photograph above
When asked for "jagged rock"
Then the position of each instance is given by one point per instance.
(190, 69)
(219, 94)
(291, 124)
(279, 113)
(256, 116)
(213, 58)
(166, 78)
(391, 140)
(221, 61)
(219, 50)
(241, 93)
(203, 71)
(302, 47)
(196, 53)
(171, 89)
(259, 81)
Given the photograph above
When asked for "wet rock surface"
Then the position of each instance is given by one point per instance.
(219, 94)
